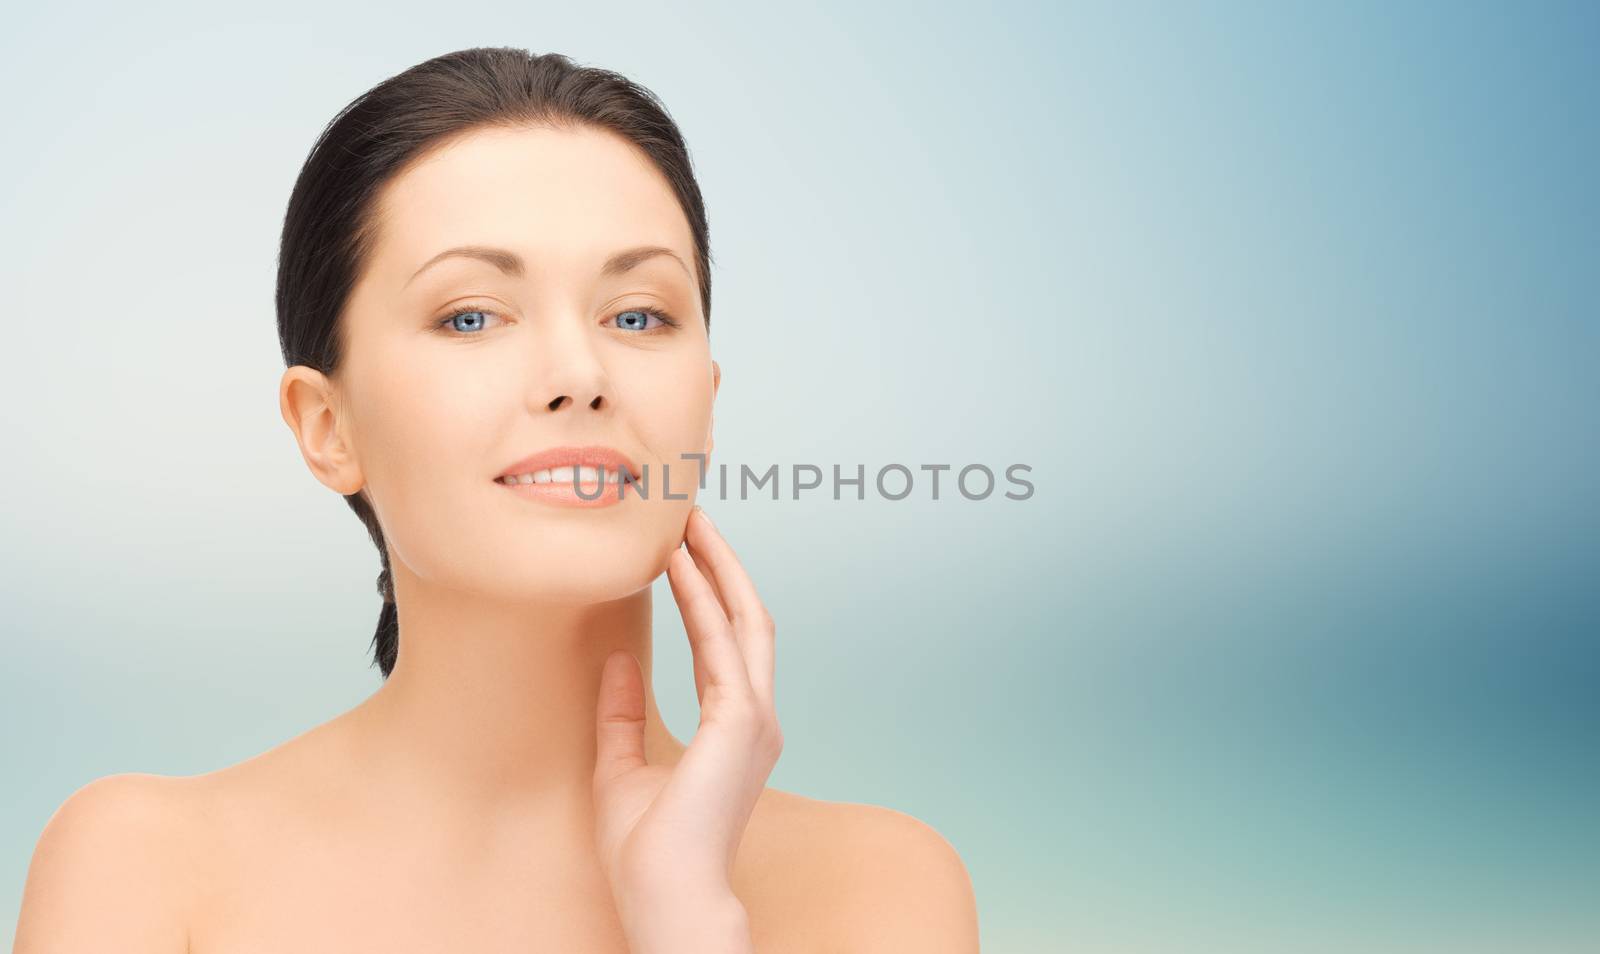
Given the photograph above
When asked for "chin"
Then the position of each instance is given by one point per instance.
(601, 577)
(590, 591)
(568, 559)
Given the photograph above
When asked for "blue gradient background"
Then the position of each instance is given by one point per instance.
(1291, 309)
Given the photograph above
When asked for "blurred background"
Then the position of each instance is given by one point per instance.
(1290, 308)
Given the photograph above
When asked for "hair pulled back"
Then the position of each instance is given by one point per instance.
(330, 228)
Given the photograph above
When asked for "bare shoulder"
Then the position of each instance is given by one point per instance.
(880, 879)
(112, 870)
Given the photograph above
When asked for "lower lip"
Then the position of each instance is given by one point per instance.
(562, 494)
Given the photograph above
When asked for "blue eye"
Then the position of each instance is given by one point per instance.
(469, 322)
(472, 327)
(637, 319)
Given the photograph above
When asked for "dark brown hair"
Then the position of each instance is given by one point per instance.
(330, 227)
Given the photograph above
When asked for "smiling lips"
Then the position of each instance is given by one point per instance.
(557, 474)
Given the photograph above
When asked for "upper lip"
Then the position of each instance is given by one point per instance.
(593, 455)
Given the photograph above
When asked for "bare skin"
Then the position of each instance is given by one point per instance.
(457, 807)
(310, 846)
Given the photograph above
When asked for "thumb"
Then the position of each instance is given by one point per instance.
(619, 718)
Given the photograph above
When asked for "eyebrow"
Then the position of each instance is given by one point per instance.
(511, 263)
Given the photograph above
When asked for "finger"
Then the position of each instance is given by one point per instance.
(619, 718)
(699, 667)
(705, 571)
(700, 679)
(752, 624)
(710, 634)
(708, 544)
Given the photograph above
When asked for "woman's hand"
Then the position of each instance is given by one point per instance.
(668, 835)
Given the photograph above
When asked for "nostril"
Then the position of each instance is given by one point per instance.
(595, 404)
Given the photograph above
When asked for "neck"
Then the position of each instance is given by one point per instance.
(491, 707)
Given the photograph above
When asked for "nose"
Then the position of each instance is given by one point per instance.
(570, 372)
(562, 399)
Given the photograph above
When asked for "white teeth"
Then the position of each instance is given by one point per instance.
(564, 475)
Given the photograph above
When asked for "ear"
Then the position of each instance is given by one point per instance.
(309, 403)
(716, 385)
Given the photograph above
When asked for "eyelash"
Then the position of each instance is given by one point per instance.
(443, 325)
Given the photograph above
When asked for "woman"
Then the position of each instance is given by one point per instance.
(494, 301)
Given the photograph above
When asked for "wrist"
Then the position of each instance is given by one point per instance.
(701, 923)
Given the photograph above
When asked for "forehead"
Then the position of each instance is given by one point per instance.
(563, 198)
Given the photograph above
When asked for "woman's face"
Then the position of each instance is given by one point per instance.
(559, 351)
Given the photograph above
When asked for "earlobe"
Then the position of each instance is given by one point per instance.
(716, 384)
(306, 400)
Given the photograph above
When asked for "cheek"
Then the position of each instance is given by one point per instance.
(423, 433)
(667, 402)
(429, 422)
(429, 427)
